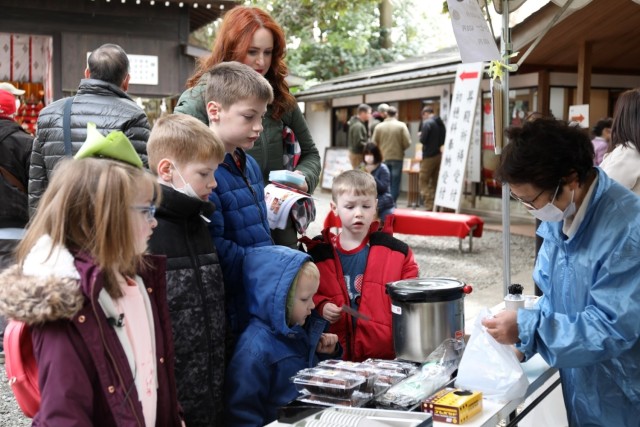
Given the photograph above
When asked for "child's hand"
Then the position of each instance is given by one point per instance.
(331, 312)
(327, 344)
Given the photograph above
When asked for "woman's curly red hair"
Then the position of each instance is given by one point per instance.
(233, 42)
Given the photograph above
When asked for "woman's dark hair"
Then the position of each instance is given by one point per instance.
(543, 152)
(602, 125)
(625, 129)
(371, 148)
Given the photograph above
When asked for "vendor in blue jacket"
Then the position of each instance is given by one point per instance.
(283, 336)
(587, 322)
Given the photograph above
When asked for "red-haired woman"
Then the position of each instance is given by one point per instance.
(251, 36)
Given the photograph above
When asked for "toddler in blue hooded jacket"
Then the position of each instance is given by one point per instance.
(284, 335)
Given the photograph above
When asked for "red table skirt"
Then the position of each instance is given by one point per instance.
(425, 223)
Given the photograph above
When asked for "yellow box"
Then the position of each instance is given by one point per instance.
(453, 405)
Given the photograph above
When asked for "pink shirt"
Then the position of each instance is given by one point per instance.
(140, 336)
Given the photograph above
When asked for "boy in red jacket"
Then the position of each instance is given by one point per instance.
(355, 266)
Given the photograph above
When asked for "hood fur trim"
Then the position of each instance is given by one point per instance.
(35, 300)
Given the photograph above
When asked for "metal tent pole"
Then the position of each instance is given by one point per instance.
(505, 48)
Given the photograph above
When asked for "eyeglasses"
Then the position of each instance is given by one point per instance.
(528, 205)
(148, 211)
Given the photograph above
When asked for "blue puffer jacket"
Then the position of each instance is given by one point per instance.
(239, 222)
(383, 185)
(587, 323)
(269, 352)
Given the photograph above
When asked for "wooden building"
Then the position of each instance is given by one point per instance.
(589, 56)
(44, 44)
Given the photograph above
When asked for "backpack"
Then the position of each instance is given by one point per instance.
(21, 367)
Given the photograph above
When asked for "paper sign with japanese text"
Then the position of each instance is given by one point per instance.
(474, 38)
(459, 132)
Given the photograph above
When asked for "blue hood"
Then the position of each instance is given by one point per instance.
(268, 274)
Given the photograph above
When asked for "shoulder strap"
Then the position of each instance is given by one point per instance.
(66, 126)
(11, 179)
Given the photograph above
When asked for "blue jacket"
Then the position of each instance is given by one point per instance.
(383, 185)
(239, 222)
(587, 324)
(269, 352)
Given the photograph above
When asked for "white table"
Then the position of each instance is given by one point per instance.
(540, 375)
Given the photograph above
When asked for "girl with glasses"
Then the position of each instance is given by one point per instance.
(95, 303)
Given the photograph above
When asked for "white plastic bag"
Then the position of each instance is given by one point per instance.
(490, 367)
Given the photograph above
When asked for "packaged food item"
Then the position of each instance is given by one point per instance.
(328, 382)
(407, 368)
(434, 374)
(356, 400)
(453, 405)
(369, 373)
(286, 177)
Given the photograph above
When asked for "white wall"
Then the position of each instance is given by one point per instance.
(319, 122)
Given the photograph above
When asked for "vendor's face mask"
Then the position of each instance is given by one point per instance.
(552, 213)
(187, 189)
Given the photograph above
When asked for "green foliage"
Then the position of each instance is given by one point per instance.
(330, 38)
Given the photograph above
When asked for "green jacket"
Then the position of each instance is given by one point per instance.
(358, 135)
(268, 149)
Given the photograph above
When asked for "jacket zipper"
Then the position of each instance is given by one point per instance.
(255, 197)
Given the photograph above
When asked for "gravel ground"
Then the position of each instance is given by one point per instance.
(437, 256)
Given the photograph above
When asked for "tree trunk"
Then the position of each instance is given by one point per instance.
(386, 22)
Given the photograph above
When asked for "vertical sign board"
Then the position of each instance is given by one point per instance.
(459, 131)
(475, 149)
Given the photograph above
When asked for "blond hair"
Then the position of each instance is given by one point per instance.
(356, 182)
(307, 269)
(230, 82)
(86, 209)
(183, 139)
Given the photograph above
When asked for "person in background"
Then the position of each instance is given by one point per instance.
(101, 99)
(355, 266)
(95, 304)
(284, 336)
(378, 116)
(380, 172)
(15, 151)
(432, 137)
(622, 163)
(601, 140)
(393, 139)
(586, 322)
(237, 99)
(184, 155)
(251, 36)
(358, 135)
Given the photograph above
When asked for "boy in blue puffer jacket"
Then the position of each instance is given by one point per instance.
(237, 98)
(283, 337)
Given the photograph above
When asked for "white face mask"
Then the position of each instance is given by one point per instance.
(187, 189)
(368, 159)
(552, 213)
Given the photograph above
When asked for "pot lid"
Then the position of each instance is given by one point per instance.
(428, 289)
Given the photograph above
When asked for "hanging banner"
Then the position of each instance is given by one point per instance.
(475, 149)
(472, 32)
(459, 131)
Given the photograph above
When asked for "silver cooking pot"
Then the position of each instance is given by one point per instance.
(425, 312)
